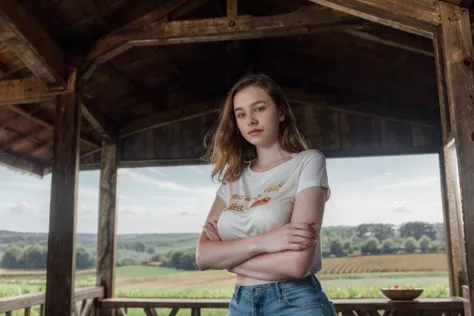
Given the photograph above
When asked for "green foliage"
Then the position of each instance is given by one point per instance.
(418, 229)
(35, 256)
(11, 257)
(410, 245)
(425, 243)
(370, 246)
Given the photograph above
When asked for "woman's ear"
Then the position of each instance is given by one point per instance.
(282, 116)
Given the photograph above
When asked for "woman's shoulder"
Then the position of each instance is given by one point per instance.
(310, 154)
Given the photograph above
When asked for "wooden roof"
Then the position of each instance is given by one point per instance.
(321, 57)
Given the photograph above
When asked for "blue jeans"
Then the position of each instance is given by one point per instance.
(301, 297)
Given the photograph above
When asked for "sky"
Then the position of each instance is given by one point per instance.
(393, 189)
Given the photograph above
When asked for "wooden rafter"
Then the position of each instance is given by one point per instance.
(22, 139)
(91, 113)
(32, 167)
(32, 44)
(414, 16)
(413, 44)
(303, 21)
(85, 139)
(28, 90)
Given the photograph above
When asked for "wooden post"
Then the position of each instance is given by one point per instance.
(107, 235)
(456, 53)
(453, 226)
(61, 258)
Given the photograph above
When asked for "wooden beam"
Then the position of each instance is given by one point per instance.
(22, 139)
(413, 16)
(303, 21)
(31, 43)
(107, 234)
(452, 223)
(455, 41)
(27, 90)
(84, 138)
(415, 45)
(91, 113)
(169, 117)
(358, 106)
(61, 262)
(10, 160)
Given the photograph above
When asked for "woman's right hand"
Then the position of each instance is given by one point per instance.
(291, 236)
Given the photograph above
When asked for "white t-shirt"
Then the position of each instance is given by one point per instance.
(259, 202)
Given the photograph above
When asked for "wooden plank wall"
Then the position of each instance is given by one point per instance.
(336, 133)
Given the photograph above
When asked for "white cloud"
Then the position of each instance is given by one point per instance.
(21, 208)
(403, 206)
(143, 179)
(156, 171)
(409, 183)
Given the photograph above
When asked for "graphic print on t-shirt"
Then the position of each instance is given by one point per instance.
(240, 203)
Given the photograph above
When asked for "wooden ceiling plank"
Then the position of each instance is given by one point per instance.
(306, 20)
(413, 16)
(158, 13)
(352, 105)
(22, 139)
(11, 161)
(28, 90)
(84, 138)
(32, 44)
(170, 117)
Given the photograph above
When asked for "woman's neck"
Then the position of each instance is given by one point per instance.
(270, 157)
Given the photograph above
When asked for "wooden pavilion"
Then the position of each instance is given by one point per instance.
(106, 84)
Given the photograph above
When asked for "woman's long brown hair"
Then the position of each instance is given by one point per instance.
(229, 151)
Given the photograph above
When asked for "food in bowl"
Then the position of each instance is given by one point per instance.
(397, 292)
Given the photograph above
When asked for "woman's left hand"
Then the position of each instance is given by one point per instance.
(212, 231)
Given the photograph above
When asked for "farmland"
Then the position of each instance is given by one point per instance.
(357, 262)
(357, 277)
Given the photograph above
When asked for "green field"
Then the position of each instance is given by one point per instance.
(158, 282)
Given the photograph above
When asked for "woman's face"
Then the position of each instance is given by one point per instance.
(257, 117)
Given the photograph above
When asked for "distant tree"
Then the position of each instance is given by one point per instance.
(425, 243)
(33, 257)
(11, 257)
(379, 231)
(387, 246)
(410, 245)
(347, 247)
(126, 262)
(418, 229)
(150, 250)
(84, 259)
(156, 258)
(370, 246)
(139, 246)
(336, 246)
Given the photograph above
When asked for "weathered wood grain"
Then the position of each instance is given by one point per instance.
(456, 42)
(61, 258)
(107, 233)
(31, 43)
(413, 16)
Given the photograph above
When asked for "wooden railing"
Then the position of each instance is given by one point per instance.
(353, 307)
(87, 297)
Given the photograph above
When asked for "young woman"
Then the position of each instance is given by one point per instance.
(265, 220)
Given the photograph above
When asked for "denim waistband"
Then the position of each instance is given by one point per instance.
(275, 288)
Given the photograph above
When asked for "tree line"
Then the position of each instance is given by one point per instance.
(364, 239)
(375, 239)
(35, 257)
